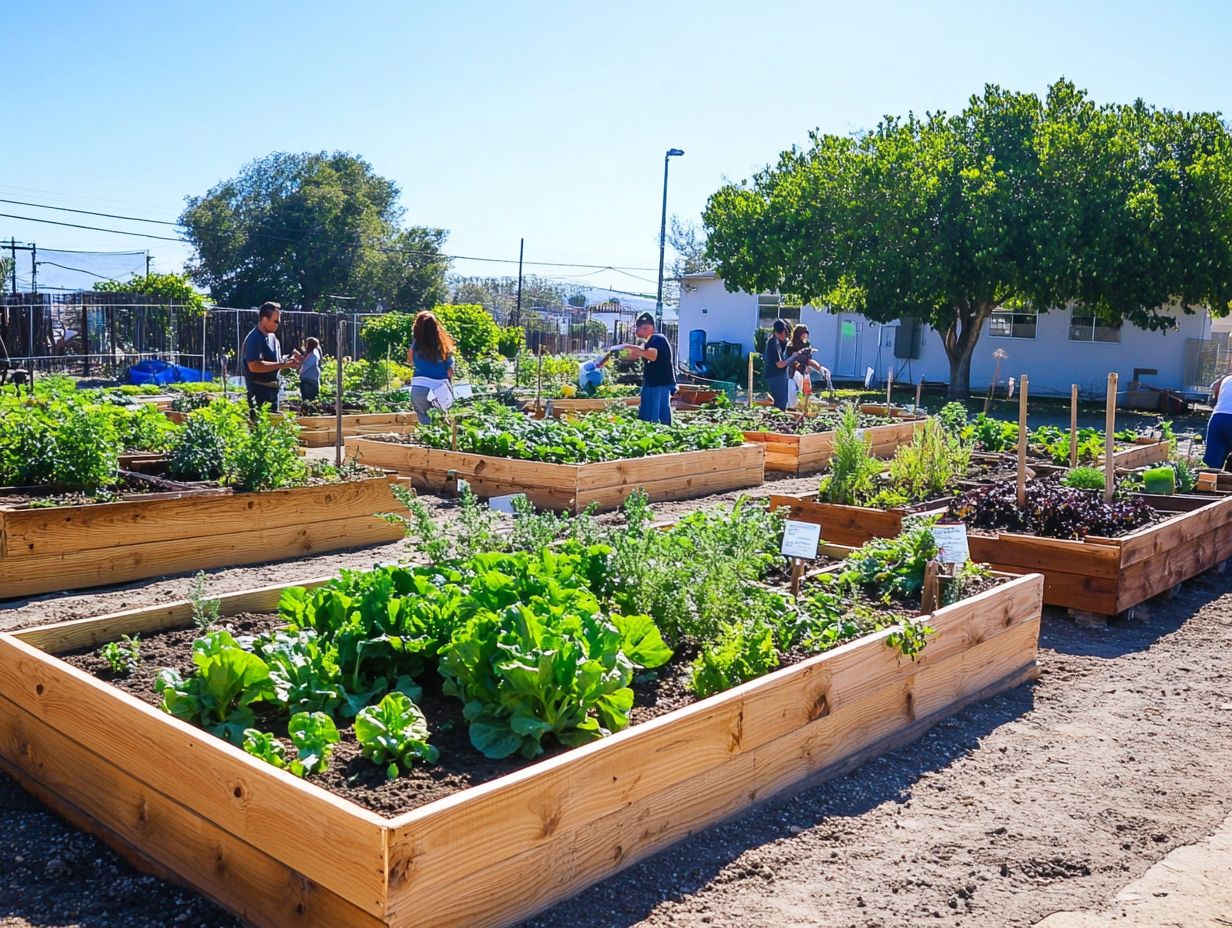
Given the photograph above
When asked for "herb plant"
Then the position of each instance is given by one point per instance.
(853, 469)
(123, 656)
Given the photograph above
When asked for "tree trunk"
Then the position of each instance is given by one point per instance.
(959, 341)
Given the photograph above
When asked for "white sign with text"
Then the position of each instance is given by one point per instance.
(800, 539)
(952, 543)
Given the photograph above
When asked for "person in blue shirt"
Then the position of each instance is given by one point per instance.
(310, 371)
(262, 360)
(431, 355)
(658, 372)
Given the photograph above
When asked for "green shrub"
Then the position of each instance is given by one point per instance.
(200, 450)
(86, 450)
(853, 469)
(1084, 478)
(930, 464)
(268, 456)
(510, 341)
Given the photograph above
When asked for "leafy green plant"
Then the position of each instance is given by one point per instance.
(86, 450)
(992, 435)
(220, 694)
(1084, 478)
(199, 451)
(268, 456)
(123, 656)
(314, 735)
(953, 417)
(265, 746)
(304, 675)
(394, 733)
(929, 465)
(742, 651)
(853, 469)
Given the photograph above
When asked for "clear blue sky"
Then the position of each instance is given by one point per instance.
(545, 120)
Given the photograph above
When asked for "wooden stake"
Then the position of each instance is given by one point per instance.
(1022, 440)
(338, 439)
(992, 386)
(919, 388)
(797, 571)
(453, 434)
(889, 386)
(1109, 436)
(1073, 425)
(928, 595)
(750, 378)
(539, 382)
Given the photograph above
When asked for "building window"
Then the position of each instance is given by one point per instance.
(1088, 327)
(770, 306)
(1012, 323)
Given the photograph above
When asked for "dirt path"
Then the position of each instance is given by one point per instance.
(1050, 798)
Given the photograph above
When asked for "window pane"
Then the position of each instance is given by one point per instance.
(1006, 324)
(1107, 332)
(790, 313)
(1081, 328)
(1001, 324)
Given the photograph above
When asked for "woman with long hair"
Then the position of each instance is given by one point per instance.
(799, 371)
(431, 355)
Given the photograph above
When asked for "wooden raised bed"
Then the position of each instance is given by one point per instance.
(281, 852)
(570, 487)
(851, 525)
(809, 454)
(1106, 577)
(72, 547)
(1142, 453)
(557, 409)
(321, 431)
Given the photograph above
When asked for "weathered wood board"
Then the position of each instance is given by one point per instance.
(570, 487)
(809, 454)
(1107, 576)
(281, 852)
(73, 547)
(850, 525)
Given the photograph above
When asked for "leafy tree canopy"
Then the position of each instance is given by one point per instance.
(296, 227)
(1124, 209)
(175, 288)
(474, 331)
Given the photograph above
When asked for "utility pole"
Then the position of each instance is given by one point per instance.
(147, 264)
(671, 153)
(13, 267)
(517, 313)
(33, 268)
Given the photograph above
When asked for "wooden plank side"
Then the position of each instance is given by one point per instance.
(1029, 553)
(843, 525)
(56, 572)
(139, 821)
(660, 466)
(672, 488)
(465, 833)
(1061, 587)
(1140, 455)
(1146, 578)
(109, 525)
(573, 858)
(413, 459)
(1156, 540)
(90, 633)
(329, 840)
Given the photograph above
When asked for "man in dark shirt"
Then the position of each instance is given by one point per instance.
(262, 359)
(778, 363)
(658, 372)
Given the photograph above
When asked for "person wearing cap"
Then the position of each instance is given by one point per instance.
(658, 371)
(779, 363)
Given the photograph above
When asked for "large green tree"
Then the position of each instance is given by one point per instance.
(1123, 209)
(297, 227)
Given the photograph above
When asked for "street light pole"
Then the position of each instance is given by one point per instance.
(671, 153)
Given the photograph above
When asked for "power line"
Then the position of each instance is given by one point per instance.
(268, 235)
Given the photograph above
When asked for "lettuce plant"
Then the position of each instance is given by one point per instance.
(394, 733)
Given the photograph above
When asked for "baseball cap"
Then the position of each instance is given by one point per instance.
(645, 319)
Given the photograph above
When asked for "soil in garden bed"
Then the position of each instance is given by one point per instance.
(460, 767)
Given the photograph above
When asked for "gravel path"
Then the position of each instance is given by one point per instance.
(1048, 798)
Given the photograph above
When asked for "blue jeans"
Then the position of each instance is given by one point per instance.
(778, 391)
(1218, 440)
(656, 405)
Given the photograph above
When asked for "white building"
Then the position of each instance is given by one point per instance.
(1055, 349)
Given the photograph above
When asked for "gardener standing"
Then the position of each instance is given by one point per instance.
(263, 360)
(658, 371)
(779, 360)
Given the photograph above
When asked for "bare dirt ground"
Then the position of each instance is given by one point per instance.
(1052, 797)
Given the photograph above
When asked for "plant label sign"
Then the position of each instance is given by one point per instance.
(800, 539)
(951, 543)
(504, 503)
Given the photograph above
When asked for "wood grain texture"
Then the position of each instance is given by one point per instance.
(329, 840)
(146, 827)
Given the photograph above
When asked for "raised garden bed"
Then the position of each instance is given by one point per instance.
(851, 525)
(321, 431)
(558, 408)
(278, 851)
(809, 454)
(570, 487)
(45, 550)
